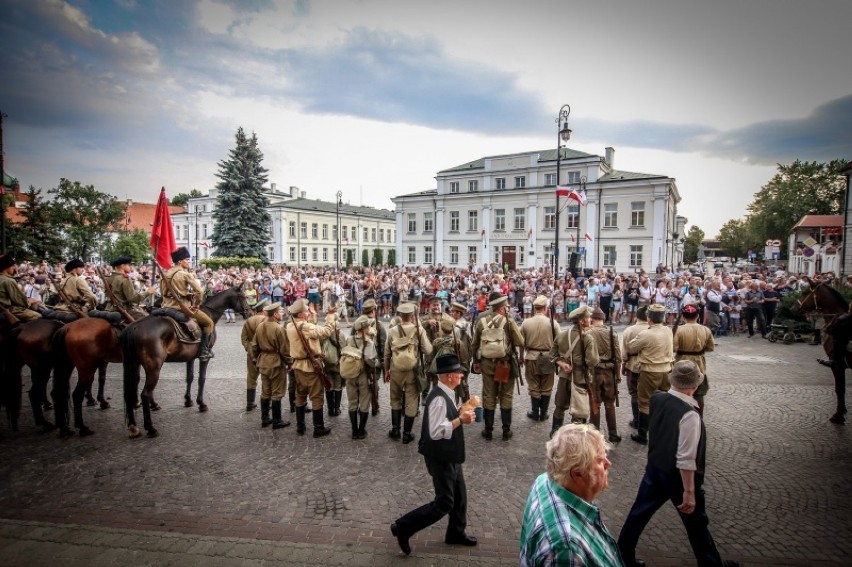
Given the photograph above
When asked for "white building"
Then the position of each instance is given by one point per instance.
(303, 231)
(503, 209)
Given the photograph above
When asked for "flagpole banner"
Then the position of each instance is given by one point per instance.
(162, 233)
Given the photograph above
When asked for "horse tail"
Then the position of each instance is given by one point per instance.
(61, 359)
(130, 365)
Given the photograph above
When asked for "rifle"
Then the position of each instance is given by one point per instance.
(419, 346)
(612, 357)
(10, 317)
(108, 289)
(171, 288)
(326, 383)
(79, 312)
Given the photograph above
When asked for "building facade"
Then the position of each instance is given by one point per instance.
(502, 209)
(815, 245)
(303, 231)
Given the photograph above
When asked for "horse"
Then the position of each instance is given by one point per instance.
(152, 341)
(828, 302)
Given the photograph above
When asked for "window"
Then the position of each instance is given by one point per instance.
(381, 235)
(520, 182)
(412, 255)
(637, 213)
(334, 232)
(499, 219)
(412, 222)
(454, 221)
(573, 216)
(497, 256)
(427, 254)
(573, 177)
(427, 222)
(520, 255)
(549, 218)
(293, 248)
(345, 233)
(304, 253)
(500, 183)
(373, 234)
(304, 230)
(472, 220)
(472, 186)
(204, 233)
(611, 215)
(636, 256)
(471, 255)
(520, 219)
(314, 230)
(335, 254)
(325, 232)
(548, 255)
(314, 252)
(293, 229)
(390, 235)
(609, 256)
(454, 186)
(550, 179)
(325, 254)
(454, 255)
(366, 234)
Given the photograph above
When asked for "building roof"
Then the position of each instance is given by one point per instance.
(543, 156)
(8, 181)
(819, 221)
(419, 194)
(617, 175)
(141, 215)
(329, 207)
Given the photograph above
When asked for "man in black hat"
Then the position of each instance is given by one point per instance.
(75, 289)
(187, 288)
(11, 295)
(442, 446)
(122, 288)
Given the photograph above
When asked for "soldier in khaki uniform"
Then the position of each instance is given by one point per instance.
(369, 309)
(404, 382)
(461, 333)
(631, 361)
(654, 349)
(539, 333)
(271, 350)
(11, 296)
(75, 288)
(575, 360)
(246, 337)
(187, 288)
(308, 382)
(432, 324)
(123, 291)
(492, 391)
(333, 396)
(358, 389)
(607, 374)
(690, 343)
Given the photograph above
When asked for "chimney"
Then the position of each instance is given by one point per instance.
(294, 192)
(610, 157)
(129, 203)
(273, 187)
(303, 193)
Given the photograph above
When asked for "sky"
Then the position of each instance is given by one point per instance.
(374, 97)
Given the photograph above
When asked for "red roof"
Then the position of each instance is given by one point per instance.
(141, 215)
(819, 221)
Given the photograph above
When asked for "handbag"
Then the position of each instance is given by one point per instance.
(579, 406)
(502, 371)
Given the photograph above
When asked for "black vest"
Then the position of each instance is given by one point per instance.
(448, 450)
(664, 430)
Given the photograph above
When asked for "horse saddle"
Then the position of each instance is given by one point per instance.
(114, 318)
(186, 329)
(61, 316)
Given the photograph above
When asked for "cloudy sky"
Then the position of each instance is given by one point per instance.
(374, 97)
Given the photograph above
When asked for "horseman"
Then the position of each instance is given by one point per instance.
(187, 287)
(75, 289)
(11, 296)
(122, 288)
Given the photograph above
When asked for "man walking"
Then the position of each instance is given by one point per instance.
(576, 355)
(539, 333)
(271, 350)
(690, 343)
(246, 338)
(653, 348)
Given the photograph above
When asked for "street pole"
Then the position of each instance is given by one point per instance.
(563, 134)
(339, 203)
(583, 191)
(196, 236)
(2, 188)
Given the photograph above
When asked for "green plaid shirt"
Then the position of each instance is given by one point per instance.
(562, 529)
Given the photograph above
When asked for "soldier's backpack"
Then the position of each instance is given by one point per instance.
(404, 351)
(351, 362)
(330, 352)
(440, 347)
(493, 339)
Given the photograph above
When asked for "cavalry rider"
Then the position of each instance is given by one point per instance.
(75, 289)
(186, 286)
(122, 288)
(11, 296)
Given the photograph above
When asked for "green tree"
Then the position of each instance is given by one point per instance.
(85, 215)
(37, 236)
(691, 243)
(349, 258)
(377, 257)
(799, 189)
(736, 237)
(181, 199)
(242, 220)
(365, 258)
(134, 244)
(392, 257)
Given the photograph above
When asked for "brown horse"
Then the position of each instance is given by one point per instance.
(828, 302)
(152, 341)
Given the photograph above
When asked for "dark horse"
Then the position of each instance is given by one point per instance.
(152, 341)
(828, 302)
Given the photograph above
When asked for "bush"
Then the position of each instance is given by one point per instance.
(217, 262)
(392, 257)
(377, 257)
(349, 258)
(365, 258)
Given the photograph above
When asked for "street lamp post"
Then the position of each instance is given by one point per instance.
(582, 192)
(563, 134)
(339, 204)
(196, 236)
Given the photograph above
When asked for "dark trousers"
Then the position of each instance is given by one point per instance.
(751, 315)
(656, 489)
(450, 498)
(606, 305)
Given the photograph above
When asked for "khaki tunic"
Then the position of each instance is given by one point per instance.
(405, 383)
(609, 348)
(358, 392)
(271, 349)
(538, 333)
(78, 293)
(13, 299)
(690, 343)
(126, 295)
(247, 337)
(492, 392)
(580, 374)
(654, 349)
(187, 287)
(308, 382)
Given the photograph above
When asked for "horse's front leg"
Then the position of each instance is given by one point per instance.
(151, 379)
(839, 416)
(190, 376)
(85, 378)
(61, 386)
(36, 394)
(131, 389)
(202, 377)
(102, 368)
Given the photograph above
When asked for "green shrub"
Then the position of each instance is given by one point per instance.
(217, 262)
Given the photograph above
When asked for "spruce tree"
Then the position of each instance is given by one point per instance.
(242, 220)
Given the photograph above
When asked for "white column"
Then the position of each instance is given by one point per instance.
(659, 233)
(439, 233)
(399, 259)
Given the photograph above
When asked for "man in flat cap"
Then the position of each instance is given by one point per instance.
(246, 338)
(75, 289)
(539, 332)
(271, 349)
(690, 343)
(495, 338)
(607, 375)
(370, 310)
(123, 291)
(182, 280)
(631, 361)
(576, 355)
(653, 348)
(675, 469)
(11, 296)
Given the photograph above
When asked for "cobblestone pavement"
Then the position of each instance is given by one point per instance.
(215, 488)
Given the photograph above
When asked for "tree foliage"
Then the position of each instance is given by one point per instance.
(242, 219)
(181, 199)
(392, 257)
(349, 258)
(365, 258)
(36, 235)
(378, 257)
(134, 244)
(691, 243)
(736, 237)
(217, 262)
(85, 215)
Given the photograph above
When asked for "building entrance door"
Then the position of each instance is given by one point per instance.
(508, 257)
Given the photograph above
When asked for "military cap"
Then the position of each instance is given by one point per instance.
(689, 310)
(447, 324)
(299, 306)
(260, 304)
(74, 264)
(498, 301)
(540, 301)
(597, 313)
(494, 295)
(458, 307)
(361, 323)
(434, 299)
(6, 261)
(580, 313)
(656, 313)
(685, 374)
(272, 308)
(120, 261)
(180, 254)
(368, 306)
(405, 308)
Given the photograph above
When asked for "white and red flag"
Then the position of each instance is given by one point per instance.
(588, 237)
(565, 191)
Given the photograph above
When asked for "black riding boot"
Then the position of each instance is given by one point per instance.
(817, 337)
(641, 436)
(320, 430)
(634, 407)
(329, 402)
(250, 405)
(396, 417)
(264, 412)
(407, 435)
(506, 418)
(277, 422)
(338, 396)
(353, 421)
(557, 423)
(542, 408)
(362, 424)
(204, 352)
(291, 395)
(535, 403)
(300, 420)
(488, 417)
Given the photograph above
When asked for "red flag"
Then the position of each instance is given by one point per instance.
(589, 237)
(163, 233)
